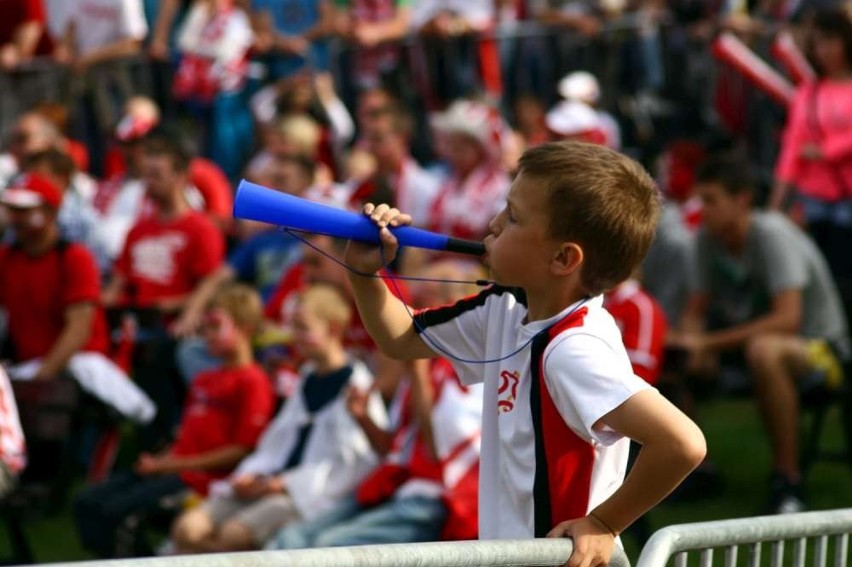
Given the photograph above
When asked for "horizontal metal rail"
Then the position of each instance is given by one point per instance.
(674, 541)
(502, 553)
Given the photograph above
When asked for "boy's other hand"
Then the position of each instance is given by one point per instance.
(593, 543)
(367, 258)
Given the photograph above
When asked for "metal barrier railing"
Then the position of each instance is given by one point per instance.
(670, 543)
(755, 533)
(503, 553)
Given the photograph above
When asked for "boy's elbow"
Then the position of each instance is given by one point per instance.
(693, 447)
(398, 353)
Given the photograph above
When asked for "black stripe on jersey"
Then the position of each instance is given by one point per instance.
(438, 315)
(542, 514)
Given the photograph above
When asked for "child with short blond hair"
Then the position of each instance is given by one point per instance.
(226, 410)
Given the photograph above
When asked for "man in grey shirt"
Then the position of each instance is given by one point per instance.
(761, 287)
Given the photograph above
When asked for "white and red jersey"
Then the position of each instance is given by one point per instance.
(643, 328)
(456, 421)
(463, 208)
(543, 461)
(13, 451)
(214, 45)
(371, 62)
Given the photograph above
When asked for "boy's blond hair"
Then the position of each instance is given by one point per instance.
(242, 303)
(601, 200)
(327, 303)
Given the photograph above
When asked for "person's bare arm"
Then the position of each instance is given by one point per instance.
(779, 195)
(26, 39)
(784, 317)
(111, 294)
(394, 29)
(223, 458)
(325, 24)
(672, 446)
(116, 50)
(75, 334)
(166, 13)
(195, 305)
(692, 319)
(385, 317)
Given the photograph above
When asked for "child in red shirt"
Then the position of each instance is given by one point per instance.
(226, 410)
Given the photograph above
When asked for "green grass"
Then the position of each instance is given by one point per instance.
(736, 444)
(738, 447)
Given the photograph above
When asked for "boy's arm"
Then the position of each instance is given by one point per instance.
(386, 318)
(672, 446)
(223, 458)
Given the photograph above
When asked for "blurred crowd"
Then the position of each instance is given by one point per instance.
(227, 395)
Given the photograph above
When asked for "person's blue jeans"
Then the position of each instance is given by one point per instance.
(402, 520)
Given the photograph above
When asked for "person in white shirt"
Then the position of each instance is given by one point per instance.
(561, 401)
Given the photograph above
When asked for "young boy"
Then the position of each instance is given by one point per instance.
(312, 454)
(560, 397)
(226, 410)
(425, 487)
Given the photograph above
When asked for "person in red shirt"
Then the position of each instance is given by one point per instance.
(164, 258)
(167, 254)
(50, 291)
(49, 288)
(227, 408)
(208, 188)
(643, 328)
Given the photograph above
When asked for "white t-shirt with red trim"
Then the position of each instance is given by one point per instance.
(576, 366)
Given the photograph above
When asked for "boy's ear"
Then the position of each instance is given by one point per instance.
(567, 259)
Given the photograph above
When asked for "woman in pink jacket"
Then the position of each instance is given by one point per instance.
(815, 164)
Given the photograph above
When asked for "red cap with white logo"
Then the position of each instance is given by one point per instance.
(31, 190)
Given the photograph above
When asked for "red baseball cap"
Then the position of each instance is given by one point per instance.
(31, 190)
